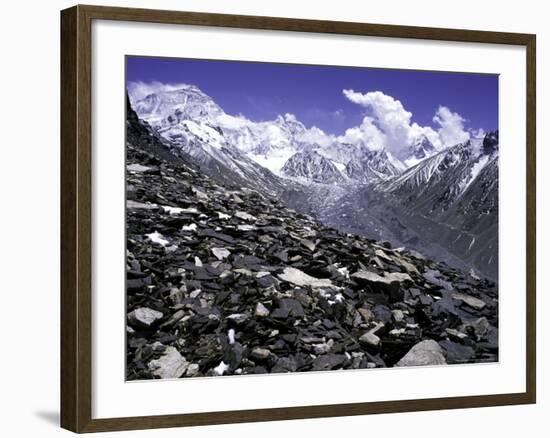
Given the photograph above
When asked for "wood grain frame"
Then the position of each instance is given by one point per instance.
(76, 214)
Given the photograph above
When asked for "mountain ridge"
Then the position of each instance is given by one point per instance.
(444, 191)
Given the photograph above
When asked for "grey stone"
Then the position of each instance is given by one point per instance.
(299, 278)
(481, 326)
(221, 253)
(238, 318)
(366, 313)
(457, 353)
(260, 353)
(144, 316)
(473, 302)
(370, 338)
(170, 365)
(245, 216)
(426, 352)
(261, 310)
(388, 278)
(398, 315)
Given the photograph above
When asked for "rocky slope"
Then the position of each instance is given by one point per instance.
(224, 280)
(442, 203)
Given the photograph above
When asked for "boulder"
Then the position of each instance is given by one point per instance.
(170, 365)
(426, 352)
(144, 316)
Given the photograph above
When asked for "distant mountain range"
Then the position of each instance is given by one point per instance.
(443, 203)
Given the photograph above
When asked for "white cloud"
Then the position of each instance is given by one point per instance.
(365, 135)
(138, 90)
(389, 126)
(315, 135)
(452, 127)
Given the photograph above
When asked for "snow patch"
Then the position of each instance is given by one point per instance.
(157, 238)
(340, 166)
(474, 172)
(190, 227)
(231, 336)
(172, 210)
(221, 368)
(137, 168)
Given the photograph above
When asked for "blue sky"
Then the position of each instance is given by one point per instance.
(261, 91)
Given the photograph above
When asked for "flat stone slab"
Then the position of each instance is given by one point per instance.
(474, 302)
(171, 365)
(144, 316)
(299, 278)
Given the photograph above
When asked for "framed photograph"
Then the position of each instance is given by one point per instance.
(269, 218)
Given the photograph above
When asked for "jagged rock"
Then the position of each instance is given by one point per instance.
(299, 278)
(453, 333)
(435, 277)
(398, 315)
(457, 353)
(245, 216)
(238, 318)
(427, 352)
(170, 365)
(285, 365)
(140, 205)
(388, 278)
(192, 370)
(474, 302)
(328, 362)
(174, 318)
(260, 353)
(366, 313)
(136, 167)
(308, 244)
(481, 326)
(288, 307)
(144, 316)
(261, 310)
(370, 338)
(221, 253)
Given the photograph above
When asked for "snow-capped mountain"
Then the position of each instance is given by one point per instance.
(373, 167)
(189, 118)
(444, 177)
(455, 193)
(420, 149)
(168, 108)
(312, 166)
(443, 203)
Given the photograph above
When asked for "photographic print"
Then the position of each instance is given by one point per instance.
(304, 218)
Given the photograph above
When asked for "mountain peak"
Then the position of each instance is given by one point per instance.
(311, 165)
(170, 106)
(373, 166)
(490, 143)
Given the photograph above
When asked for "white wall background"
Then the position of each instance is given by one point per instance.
(29, 219)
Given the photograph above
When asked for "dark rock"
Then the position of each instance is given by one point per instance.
(288, 307)
(328, 362)
(456, 353)
(234, 282)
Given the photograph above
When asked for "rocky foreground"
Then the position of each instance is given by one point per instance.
(224, 281)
